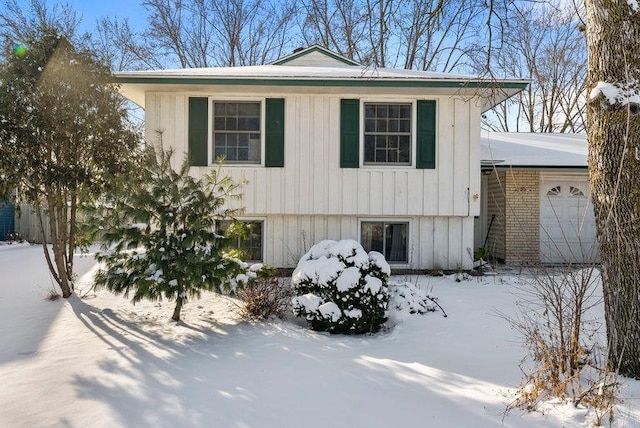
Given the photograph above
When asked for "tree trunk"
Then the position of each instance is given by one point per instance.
(176, 311)
(613, 39)
(58, 246)
(71, 239)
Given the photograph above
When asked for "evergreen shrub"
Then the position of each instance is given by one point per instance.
(340, 288)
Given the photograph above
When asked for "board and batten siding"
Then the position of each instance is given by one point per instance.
(312, 184)
(312, 181)
(434, 242)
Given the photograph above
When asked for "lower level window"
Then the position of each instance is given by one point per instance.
(387, 238)
(248, 240)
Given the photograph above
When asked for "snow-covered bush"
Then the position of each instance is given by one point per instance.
(406, 299)
(340, 288)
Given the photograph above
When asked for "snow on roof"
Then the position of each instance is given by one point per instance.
(523, 149)
(273, 71)
(333, 71)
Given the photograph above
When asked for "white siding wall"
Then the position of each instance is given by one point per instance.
(435, 242)
(312, 182)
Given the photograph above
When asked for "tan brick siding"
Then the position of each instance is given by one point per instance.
(514, 199)
(522, 228)
(496, 207)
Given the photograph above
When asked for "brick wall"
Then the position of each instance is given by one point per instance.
(522, 225)
(496, 210)
(514, 200)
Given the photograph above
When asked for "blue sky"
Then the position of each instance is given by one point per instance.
(92, 10)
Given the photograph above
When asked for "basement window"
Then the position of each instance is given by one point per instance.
(387, 238)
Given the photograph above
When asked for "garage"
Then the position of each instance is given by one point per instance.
(567, 223)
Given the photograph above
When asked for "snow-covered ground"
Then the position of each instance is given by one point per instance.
(99, 361)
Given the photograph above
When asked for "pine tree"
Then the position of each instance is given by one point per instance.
(64, 134)
(159, 237)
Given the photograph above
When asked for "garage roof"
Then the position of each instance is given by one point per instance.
(533, 150)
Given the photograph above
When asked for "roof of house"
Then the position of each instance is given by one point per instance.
(301, 53)
(334, 72)
(533, 150)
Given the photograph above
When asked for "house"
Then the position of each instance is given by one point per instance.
(332, 149)
(537, 206)
(7, 219)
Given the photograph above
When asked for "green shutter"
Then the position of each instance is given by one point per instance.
(426, 138)
(349, 133)
(198, 130)
(274, 136)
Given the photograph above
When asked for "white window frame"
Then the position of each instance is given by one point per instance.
(231, 99)
(414, 129)
(397, 220)
(264, 234)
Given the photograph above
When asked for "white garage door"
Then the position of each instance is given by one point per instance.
(567, 224)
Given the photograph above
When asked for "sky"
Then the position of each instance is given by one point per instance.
(92, 10)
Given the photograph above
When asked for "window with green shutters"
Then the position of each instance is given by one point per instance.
(236, 136)
(236, 131)
(388, 135)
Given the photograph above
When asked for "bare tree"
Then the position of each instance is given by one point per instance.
(434, 35)
(18, 22)
(543, 43)
(439, 35)
(613, 125)
(123, 47)
(339, 25)
(201, 33)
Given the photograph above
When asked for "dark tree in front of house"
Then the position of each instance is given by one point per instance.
(64, 134)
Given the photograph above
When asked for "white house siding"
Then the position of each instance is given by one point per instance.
(313, 184)
(435, 242)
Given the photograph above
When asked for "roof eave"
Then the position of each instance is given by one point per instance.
(502, 167)
(493, 92)
(501, 92)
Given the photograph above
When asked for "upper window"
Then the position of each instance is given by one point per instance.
(236, 131)
(248, 239)
(387, 133)
(389, 239)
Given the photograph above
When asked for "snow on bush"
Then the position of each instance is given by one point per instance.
(340, 288)
(406, 299)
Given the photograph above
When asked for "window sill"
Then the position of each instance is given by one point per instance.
(387, 166)
(399, 265)
(237, 165)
